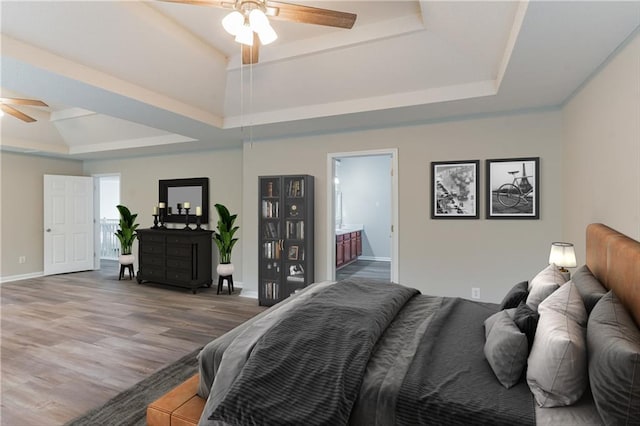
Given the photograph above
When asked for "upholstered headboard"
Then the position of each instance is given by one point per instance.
(614, 259)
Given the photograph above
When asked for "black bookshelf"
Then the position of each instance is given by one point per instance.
(286, 259)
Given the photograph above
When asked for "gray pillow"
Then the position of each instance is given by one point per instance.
(543, 284)
(489, 322)
(589, 287)
(613, 341)
(517, 294)
(506, 349)
(557, 370)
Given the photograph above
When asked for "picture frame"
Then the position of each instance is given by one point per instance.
(455, 189)
(292, 254)
(513, 188)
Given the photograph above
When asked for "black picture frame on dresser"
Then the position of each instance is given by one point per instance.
(177, 257)
(193, 190)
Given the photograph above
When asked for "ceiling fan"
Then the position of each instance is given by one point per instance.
(249, 20)
(5, 106)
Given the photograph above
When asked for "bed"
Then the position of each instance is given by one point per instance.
(365, 353)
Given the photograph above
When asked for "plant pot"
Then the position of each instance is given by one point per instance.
(126, 259)
(225, 269)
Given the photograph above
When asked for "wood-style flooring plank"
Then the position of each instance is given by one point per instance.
(71, 342)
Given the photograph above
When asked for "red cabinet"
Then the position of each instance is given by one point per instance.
(348, 247)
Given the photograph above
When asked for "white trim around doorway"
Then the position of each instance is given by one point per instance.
(331, 225)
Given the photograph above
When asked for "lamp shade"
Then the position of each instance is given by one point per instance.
(563, 255)
(258, 20)
(267, 35)
(245, 36)
(233, 22)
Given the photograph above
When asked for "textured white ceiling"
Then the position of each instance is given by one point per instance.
(156, 77)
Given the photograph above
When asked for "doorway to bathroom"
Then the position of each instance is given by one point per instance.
(362, 215)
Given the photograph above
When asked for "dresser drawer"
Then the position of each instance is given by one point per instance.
(152, 248)
(152, 238)
(179, 263)
(151, 261)
(178, 275)
(178, 239)
(179, 250)
(153, 274)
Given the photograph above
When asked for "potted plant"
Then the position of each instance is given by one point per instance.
(224, 239)
(126, 234)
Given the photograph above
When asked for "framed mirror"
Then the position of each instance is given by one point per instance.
(176, 192)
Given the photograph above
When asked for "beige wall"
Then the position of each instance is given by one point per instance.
(21, 219)
(601, 179)
(437, 256)
(139, 185)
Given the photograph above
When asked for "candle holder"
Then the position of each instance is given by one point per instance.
(161, 210)
(179, 209)
(155, 221)
(198, 220)
(186, 218)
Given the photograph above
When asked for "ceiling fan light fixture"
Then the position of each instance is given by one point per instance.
(267, 35)
(258, 20)
(233, 23)
(245, 36)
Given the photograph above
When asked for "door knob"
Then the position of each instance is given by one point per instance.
(48, 229)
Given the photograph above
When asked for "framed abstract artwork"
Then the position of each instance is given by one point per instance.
(455, 189)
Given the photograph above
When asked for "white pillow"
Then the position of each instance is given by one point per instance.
(557, 364)
(543, 284)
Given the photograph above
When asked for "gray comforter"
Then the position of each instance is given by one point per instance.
(418, 360)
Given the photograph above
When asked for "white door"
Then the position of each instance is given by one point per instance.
(68, 224)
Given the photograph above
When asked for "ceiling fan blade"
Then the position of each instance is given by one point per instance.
(250, 53)
(310, 15)
(18, 101)
(213, 3)
(17, 114)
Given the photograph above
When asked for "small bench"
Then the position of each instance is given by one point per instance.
(181, 406)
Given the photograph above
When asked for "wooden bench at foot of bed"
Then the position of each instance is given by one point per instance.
(179, 407)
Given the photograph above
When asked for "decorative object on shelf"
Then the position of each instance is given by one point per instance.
(186, 216)
(161, 210)
(454, 189)
(198, 217)
(126, 235)
(155, 217)
(563, 255)
(225, 241)
(513, 188)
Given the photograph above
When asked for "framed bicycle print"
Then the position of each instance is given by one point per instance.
(455, 189)
(513, 188)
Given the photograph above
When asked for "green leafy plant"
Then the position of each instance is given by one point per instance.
(127, 232)
(224, 236)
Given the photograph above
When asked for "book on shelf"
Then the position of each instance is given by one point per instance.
(295, 230)
(270, 209)
(270, 230)
(295, 188)
(271, 290)
(272, 250)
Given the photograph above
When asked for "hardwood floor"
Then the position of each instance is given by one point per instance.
(365, 269)
(71, 342)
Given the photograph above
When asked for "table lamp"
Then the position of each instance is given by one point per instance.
(564, 256)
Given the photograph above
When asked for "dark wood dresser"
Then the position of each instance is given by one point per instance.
(176, 257)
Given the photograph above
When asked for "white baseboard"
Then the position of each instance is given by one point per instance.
(21, 277)
(379, 259)
(248, 293)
